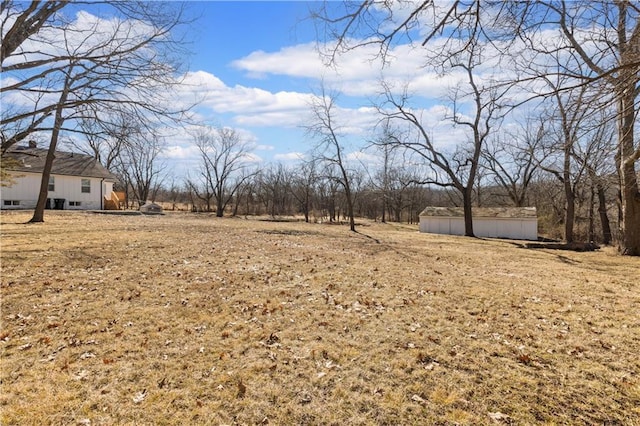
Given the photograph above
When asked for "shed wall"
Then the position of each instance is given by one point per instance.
(512, 228)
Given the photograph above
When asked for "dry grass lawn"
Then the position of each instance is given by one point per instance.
(190, 319)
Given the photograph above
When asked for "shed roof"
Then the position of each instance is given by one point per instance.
(489, 212)
(65, 163)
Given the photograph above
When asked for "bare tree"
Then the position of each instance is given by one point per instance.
(274, 188)
(382, 179)
(567, 121)
(327, 193)
(595, 154)
(104, 138)
(38, 214)
(223, 162)
(140, 167)
(459, 170)
(510, 159)
(330, 147)
(394, 180)
(73, 69)
(198, 189)
(375, 23)
(303, 185)
(600, 38)
(247, 191)
(18, 25)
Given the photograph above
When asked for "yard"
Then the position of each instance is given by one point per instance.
(191, 319)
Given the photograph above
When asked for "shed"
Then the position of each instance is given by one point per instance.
(518, 223)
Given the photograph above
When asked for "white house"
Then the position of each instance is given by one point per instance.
(518, 223)
(77, 181)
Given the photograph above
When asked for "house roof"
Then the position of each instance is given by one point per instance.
(65, 163)
(495, 212)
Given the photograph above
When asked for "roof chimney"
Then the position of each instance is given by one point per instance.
(33, 144)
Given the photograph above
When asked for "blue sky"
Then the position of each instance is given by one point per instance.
(257, 66)
(225, 32)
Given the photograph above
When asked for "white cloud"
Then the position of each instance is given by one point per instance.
(180, 152)
(256, 107)
(265, 148)
(247, 136)
(290, 156)
(357, 121)
(363, 157)
(252, 158)
(301, 60)
(250, 106)
(355, 74)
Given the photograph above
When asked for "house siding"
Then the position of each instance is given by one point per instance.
(27, 186)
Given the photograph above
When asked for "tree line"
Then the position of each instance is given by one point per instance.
(519, 173)
(573, 65)
(545, 103)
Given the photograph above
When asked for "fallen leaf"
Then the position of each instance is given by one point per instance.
(242, 389)
(499, 417)
(418, 398)
(83, 374)
(140, 396)
(273, 340)
(305, 399)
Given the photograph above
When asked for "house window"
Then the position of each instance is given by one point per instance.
(11, 202)
(52, 183)
(74, 203)
(86, 186)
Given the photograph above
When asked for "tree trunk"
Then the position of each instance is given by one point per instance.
(468, 214)
(219, 207)
(626, 158)
(570, 198)
(630, 224)
(604, 219)
(236, 205)
(592, 202)
(352, 220)
(347, 193)
(38, 214)
(570, 213)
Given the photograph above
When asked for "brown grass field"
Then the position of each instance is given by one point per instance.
(190, 319)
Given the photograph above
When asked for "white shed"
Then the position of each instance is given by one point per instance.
(518, 223)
